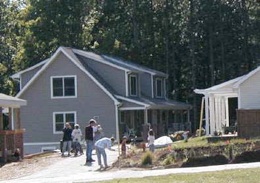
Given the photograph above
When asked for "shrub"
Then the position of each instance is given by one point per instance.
(147, 158)
(168, 160)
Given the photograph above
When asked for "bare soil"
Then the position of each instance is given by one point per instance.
(35, 163)
(28, 165)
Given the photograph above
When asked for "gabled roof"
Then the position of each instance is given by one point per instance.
(18, 74)
(119, 63)
(9, 101)
(134, 66)
(246, 77)
(228, 87)
(70, 54)
(98, 58)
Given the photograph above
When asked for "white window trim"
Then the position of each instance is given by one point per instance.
(156, 89)
(62, 112)
(64, 76)
(130, 85)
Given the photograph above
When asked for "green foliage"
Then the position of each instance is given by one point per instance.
(168, 160)
(197, 43)
(147, 158)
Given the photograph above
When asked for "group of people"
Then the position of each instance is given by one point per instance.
(94, 140)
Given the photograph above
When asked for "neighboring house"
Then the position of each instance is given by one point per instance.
(11, 133)
(75, 86)
(246, 91)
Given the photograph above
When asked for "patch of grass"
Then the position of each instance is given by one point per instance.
(230, 176)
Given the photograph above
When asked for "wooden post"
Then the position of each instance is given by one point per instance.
(10, 119)
(201, 115)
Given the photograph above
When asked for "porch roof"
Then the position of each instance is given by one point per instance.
(224, 89)
(151, 103)
(9, 101)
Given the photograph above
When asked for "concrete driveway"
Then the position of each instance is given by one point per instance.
(73, 170)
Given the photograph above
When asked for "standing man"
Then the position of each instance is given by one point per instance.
(66, 139)
(89, 137)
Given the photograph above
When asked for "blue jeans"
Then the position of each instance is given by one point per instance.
(151, 147)
(89, 149)
(101, 152)
(66, 146)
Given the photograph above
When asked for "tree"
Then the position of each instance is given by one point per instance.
(8, 43)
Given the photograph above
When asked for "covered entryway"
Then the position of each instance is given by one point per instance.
(163, 116)
(11, 133)
(215, 105)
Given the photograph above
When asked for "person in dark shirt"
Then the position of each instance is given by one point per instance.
(67, 139)
(89, 137)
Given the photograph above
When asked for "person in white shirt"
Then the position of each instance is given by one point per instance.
(151, 139)
(100, 146)
(76, 137)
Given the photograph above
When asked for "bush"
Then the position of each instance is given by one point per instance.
(147, 158)
(168, 160)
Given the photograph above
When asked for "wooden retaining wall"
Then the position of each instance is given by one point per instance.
(248, 123)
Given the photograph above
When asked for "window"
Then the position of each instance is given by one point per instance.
(133, 85)
(60, 118)
(63, 86)
(159, 88)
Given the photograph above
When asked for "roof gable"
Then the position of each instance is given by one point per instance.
(18, 74)
(246, 77)
(69, 53)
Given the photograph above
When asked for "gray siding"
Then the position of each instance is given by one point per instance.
(146, 84)
(113, 76)
(27, 76)
(37, 116)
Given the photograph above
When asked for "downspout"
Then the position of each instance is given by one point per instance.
(117, 105)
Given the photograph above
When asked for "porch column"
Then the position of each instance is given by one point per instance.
(212, 114)
(227, 112)
(145, 116)
(223, 112)
(1, 119)
(207, 114)
(10, 119)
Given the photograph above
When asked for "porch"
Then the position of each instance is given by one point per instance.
(11, 133)
(133, 123)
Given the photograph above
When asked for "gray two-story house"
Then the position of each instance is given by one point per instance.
(74, 86)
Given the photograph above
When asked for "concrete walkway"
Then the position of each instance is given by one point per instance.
(73, 169)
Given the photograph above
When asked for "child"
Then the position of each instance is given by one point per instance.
(151, 139)
(123, 146)
(76, 135)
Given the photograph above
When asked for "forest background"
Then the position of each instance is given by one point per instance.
(198, 43)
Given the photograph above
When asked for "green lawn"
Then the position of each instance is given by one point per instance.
(227, 176)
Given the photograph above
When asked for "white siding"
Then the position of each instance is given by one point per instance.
(250, 93)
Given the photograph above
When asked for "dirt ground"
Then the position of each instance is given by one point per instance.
(28, 166)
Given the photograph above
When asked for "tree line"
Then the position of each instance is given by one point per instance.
(198, 43)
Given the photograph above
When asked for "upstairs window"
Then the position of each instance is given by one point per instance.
(60, 118)
(159, 88)
(133, 85)
(64, 86)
